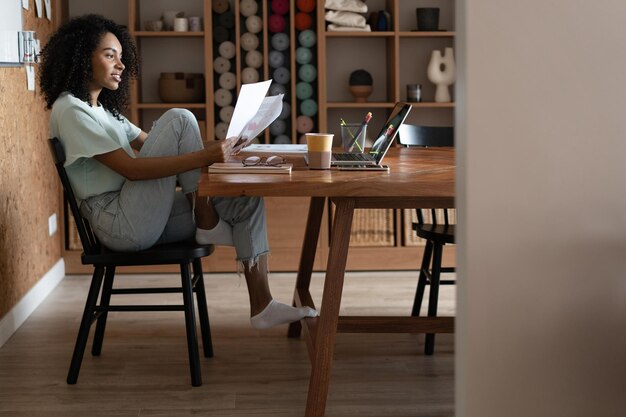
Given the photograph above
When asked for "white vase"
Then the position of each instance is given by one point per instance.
(442, 73)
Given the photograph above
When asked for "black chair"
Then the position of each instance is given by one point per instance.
(433, 225)
(105, 262)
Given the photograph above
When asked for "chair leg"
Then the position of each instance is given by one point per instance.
(105, 300)
(85, 324)
(433, 297)
(203, 311)
(190, 323)
(422, 281)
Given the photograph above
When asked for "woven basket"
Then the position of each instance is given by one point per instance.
(409, 217)
(372, 228)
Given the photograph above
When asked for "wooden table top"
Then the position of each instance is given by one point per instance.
(423, 173)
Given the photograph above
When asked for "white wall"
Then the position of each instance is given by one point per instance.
(541, 127)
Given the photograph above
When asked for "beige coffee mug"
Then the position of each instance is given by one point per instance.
(319, 146)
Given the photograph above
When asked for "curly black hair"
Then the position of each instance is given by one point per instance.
(66, 62)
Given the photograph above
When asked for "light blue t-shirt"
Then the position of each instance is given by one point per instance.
(86, 131)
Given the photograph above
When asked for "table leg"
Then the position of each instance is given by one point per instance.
(307, 256)
(329, 312)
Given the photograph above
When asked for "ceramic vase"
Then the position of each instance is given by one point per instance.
(442, 73)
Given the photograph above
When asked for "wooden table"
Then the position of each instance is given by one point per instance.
(418, 178)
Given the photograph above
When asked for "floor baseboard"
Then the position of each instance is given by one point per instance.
(24, 308)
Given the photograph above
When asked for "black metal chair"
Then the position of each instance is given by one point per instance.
(433, 225)
(105, 262)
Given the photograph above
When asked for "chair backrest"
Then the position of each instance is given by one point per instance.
(87, 238)
(429, 136)
(415, 135)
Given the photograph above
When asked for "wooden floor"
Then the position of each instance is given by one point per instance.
(143, 370)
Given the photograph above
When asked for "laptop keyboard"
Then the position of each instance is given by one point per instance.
(357, 157)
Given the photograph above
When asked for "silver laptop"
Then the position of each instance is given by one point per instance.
(382, 144)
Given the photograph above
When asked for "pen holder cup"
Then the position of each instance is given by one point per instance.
(353, 137)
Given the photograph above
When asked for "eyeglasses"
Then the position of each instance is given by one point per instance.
(272, 161)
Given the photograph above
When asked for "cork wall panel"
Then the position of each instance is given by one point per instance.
(29, 190)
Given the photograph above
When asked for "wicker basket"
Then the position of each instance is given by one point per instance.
(409, 217)
(372, 227)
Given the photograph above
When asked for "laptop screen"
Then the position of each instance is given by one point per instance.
(389, 131)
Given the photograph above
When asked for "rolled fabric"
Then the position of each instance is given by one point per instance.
(356, 6)
(281, 75)
(222, 97)
(221, 65)
(304, 124)
(280, 41)
(226, 113)
(304, 90)
(277, 23)
(248, 7)
(308, 107)
(307, 72)
(220, 6)
(249, 75)
(276, 59)
(337, 28)
(303, 21)
(280, 6)
(221, 129)
(345, 18)
(278, 127)
(254, 59)
(254, 24)
(276, 89)
(227, 49)
(249, 41)
(227, 80)
(307, 38)
(306, 6)
(303, 55)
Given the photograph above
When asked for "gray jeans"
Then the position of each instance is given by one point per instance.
(148, 212)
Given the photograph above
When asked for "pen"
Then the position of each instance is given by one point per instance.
(343, 123)
(355, 141)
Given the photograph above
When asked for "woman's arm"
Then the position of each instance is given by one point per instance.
(150, 168)
(137, 143)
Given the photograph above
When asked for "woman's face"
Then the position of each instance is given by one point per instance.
(106, 65)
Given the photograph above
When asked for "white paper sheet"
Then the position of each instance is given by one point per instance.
(253, 113)
(249, 100)
(25, 4)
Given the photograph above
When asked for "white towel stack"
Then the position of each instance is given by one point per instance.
(346, 15)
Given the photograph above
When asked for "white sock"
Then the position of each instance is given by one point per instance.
(277, 313)
(221, 234)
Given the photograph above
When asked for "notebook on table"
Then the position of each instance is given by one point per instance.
(381, 145)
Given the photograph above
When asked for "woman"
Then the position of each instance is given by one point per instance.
(125, 179)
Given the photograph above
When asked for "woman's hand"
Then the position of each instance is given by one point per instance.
(219, 150)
